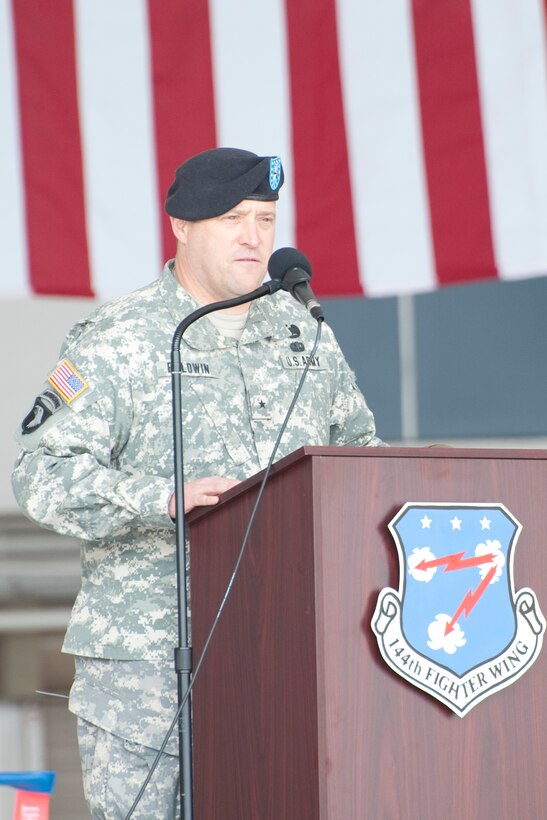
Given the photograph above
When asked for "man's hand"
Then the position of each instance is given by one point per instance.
(202, 492)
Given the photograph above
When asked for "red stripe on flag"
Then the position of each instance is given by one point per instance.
(50, 136)
(324, 211)
(183, 96)
(453, 141)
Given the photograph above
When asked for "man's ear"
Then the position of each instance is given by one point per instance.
(179, 228)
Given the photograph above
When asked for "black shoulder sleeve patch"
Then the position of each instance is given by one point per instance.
(45, 405)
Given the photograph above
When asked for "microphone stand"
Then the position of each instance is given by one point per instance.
(183, 652)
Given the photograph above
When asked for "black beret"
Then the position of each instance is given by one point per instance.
(213, 182)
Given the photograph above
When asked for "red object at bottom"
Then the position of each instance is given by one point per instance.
(31, 805)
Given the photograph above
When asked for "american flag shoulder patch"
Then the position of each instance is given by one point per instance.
(67, 381)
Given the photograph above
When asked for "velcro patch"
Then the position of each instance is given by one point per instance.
(300, 362)
(45, 406)
(192, 368)
(67, 381)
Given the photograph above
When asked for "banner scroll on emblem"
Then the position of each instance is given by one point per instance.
(456, 628)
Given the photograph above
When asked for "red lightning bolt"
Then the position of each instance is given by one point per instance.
(470, 600)
(454, 562)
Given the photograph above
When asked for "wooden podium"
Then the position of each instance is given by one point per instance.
(296, 715)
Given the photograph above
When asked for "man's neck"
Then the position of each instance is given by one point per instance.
(200, 296)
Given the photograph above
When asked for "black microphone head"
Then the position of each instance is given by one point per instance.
(284, 259)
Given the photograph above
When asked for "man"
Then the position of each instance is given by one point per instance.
(97, 456)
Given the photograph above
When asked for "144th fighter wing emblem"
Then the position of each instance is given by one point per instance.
(456, 628)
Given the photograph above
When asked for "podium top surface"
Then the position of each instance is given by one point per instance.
(429, 452)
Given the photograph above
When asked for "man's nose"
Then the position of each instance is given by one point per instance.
(249, 232)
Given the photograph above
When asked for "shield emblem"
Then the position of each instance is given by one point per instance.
(455, 628)
(275, 173)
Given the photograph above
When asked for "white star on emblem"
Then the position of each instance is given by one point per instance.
(485, 523)
(456, 523)
(425, 522)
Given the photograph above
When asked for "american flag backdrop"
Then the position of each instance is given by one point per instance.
(413, 135)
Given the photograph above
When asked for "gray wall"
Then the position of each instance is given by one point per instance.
(479, 361)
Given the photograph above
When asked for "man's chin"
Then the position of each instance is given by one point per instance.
(250, 275)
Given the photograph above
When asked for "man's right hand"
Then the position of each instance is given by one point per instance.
(202, 492)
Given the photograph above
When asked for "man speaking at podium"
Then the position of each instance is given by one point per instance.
(97, 453)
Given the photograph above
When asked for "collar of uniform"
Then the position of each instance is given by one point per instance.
(201, 335)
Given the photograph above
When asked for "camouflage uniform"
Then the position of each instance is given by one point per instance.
(110, 785)
(97, 463)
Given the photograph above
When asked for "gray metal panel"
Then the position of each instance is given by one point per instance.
(366, 330)
(482, 360)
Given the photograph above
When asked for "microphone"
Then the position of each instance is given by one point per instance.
(293, 270)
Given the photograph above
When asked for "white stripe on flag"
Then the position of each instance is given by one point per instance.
(252, 89)
(512, 67)
(13, 241)
(387, 168)
(118, 144)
